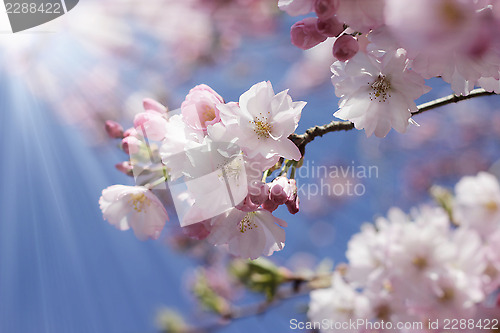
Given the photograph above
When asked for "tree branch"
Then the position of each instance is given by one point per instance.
(301, 140)
(297, 286)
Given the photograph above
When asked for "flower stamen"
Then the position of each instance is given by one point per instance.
(262, 127)
(140, 202)
(381, 88)
(247, 223)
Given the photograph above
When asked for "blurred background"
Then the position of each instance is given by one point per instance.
(64, 269)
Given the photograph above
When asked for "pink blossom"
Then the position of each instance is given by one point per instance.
(200, 107)
(125, 167)
(305, 33)
(340, 303)
(361, 15)
(345, 47)
(151, 124)
(114, 130)
(435, 26)
(131, 145)
(377, 93)
(152, 105)
(296, 7)
(325, 8)
(133, 207)
(477, 203)
(248, 235)
(330, 27)
(293, 199)
(199, 230)
(262, 122)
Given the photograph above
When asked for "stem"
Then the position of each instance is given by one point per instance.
(299, 286)
(301, 140)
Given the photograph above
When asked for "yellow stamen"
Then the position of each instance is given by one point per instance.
(381, 89)
(247, 223)
(140, 202)
(262, 127)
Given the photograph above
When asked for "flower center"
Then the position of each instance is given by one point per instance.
(451, 13)
(139, 201)
(380, 89)
(448, 295)
(420, 262)
(262, 127)
(491, 206)
(231, 170)
(207, 113)
(247, 223)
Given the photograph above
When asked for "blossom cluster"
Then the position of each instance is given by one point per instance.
(431, 264)
(385, 49)
(213, 158)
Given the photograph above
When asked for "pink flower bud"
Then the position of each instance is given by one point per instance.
(278, 194)
(259, 192)
(114, 129)
(131, 145)
(331, 27)
(125, 167)
(151, 124)
(293, 205)
(345, 47)
(247, 205)
(305, 33)
(198, 231)
(199, 109)
(270, 205)
(325, 8)
(293, 200)
(130, 131)
(152, 105)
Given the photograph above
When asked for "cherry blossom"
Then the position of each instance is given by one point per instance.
(133, 207)
(262, 121)
(361, 15)
(377, 93)
(345, 47)
(305, 34)
(339, 303)
(248, 234)
(477, 203)
(200, 107)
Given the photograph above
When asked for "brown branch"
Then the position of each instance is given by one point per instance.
(301, 140)
(298, 286)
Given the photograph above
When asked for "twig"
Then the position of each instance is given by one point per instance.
(295, 289)
(301, 140)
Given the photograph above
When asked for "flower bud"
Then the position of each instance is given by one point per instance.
(278, 194)
(198, 231)
(293, 200)
(131, 145)
(130, 131)
(247, 205)
(152, 105)
(330, 27)
(270, 205)
(325, 8)
(293, 205)
(114, 129)
(125, 167)
(259, 193)
(305, 33)
(345, 47)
